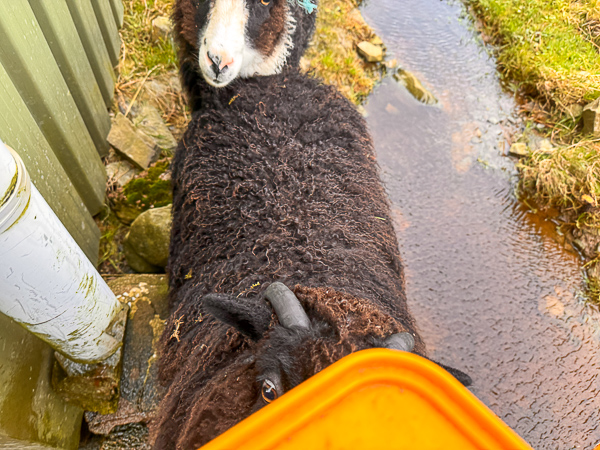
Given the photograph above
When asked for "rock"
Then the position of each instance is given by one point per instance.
(356, 17)
(377, 41)
(150, 234)
(575, 110)
(532, 139)
(587, 242)
(133, 436)
(519, 149)
(370, 52)
(391, 64)
(140, 389)
(546, 146)
(92, 387)
(162, 29)
(414, 86)
(391, 109)
(137, 263)
(128, 143)
(149, 121)
(125, 213)
(175, 83)
(155, 88)
(591, 118)
(120, 172)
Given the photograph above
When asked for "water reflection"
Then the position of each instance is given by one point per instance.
(493, 293)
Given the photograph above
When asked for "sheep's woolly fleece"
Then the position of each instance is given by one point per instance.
(275, 179)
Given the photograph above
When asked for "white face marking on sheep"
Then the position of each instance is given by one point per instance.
(228, 50)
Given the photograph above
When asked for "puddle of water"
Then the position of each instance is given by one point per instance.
(493, 293)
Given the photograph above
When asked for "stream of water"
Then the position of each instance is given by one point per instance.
(492, 291)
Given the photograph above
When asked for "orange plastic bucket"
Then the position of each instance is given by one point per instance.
(374, 399)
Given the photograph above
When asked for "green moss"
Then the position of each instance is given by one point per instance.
(110, 257)
(149, 190)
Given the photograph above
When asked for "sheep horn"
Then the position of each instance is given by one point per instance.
(400, 341)
(287, 306)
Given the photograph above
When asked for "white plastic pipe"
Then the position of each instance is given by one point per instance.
(47, 284)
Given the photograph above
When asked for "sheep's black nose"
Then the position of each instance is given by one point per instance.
(217, 64)
(216, 61)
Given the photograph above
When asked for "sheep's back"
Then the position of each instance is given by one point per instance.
(277, 180)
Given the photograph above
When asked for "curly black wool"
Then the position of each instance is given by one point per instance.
(275, 179)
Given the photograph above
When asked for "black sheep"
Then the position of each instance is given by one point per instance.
(274, 180)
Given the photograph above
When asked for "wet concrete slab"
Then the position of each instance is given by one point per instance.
(140, 391)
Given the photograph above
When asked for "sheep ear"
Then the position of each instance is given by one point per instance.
(249, 317)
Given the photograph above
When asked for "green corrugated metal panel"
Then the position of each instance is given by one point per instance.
(118, 11)
(60, 32)
(19, 129)
(109, 29)
(30, 64)
(89, 31)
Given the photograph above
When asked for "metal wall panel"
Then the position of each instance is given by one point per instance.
(27, 58)
(118, 11)
(90, 33)
(61, 34)
(56, 80)
(108, 27)
(19, 129)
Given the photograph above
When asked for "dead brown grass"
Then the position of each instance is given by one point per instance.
(566, 177)
(147, 64)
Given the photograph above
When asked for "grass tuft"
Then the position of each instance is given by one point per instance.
(141, 54)
(332, 55)
(549, 54)
(550, 48)
(566, 177)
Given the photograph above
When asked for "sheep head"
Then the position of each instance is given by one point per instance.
(281, 358)
(242, 38)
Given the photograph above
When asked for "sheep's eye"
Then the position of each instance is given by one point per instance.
(265, 2)
(268, 391)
